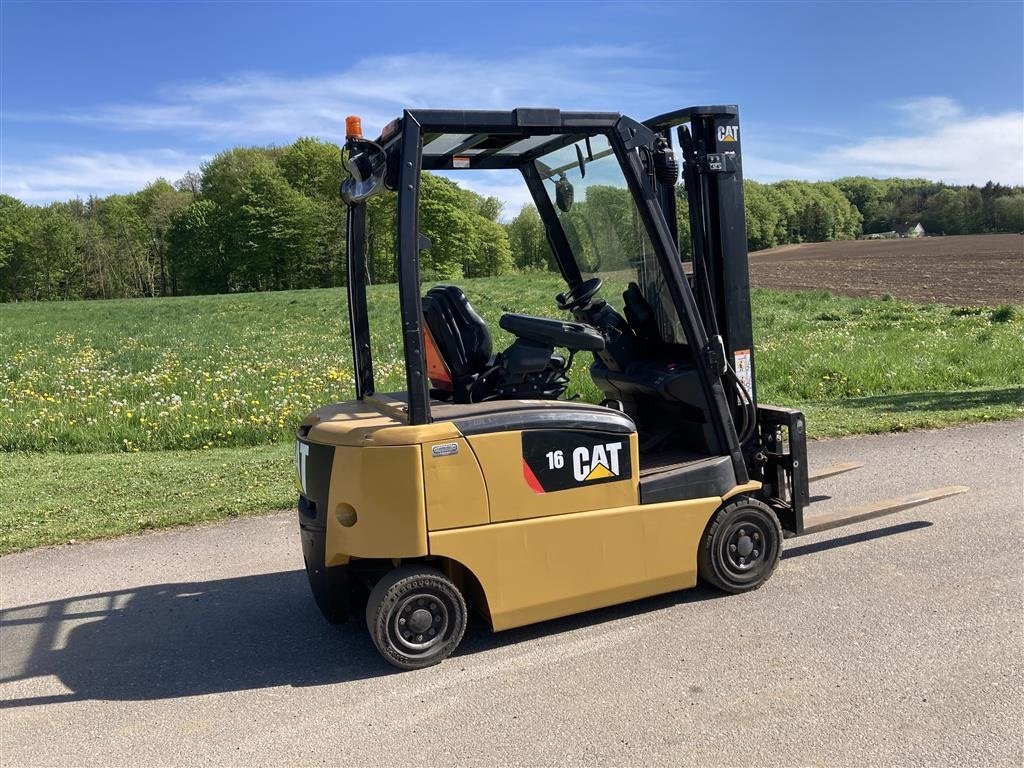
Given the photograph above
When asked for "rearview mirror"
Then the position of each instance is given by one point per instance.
(366, 164)
(563, 194)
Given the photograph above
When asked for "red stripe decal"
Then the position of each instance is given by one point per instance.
(531, 479)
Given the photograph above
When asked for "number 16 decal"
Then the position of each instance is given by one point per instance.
(561, 460)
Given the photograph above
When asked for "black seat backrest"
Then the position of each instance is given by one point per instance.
(639, 314)
(460, 333)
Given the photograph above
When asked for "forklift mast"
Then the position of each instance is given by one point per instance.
(719, 162)
(709, 142)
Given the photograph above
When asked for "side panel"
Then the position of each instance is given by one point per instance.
(454, 485)
(515, 492)
(533, 570)
(375, 506)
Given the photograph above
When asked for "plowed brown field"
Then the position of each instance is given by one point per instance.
(963, 269)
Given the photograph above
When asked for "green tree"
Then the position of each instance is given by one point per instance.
(325, 266)
(1008, 213)
(762, 215)
(57, 267)
(127, 252)
(838, 219)
(16, 252)
(198, 261)
(448, 226)
(528, 242)
(945, 213)
(492, 254)
(159, 204)
(814, 212)
(267, 227)
(312, 167)
(278, 226)
(381, 234)
(464, 240)
(489, 208)
(683, 224)
(93, 251)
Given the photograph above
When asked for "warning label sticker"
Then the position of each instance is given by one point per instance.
(460, 162)
(741, 362)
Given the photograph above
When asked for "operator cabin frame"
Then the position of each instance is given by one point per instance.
(491, 139)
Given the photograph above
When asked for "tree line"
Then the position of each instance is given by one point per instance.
(269, 218)
(255, 218)
(801, 212)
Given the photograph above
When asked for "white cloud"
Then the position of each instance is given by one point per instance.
(940, 141)
(932, 137)
(925, 112)
(264, 108)
(63, 177)
(968, 150)
(261, 107)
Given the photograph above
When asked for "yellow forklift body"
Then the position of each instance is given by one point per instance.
(372, 421)
(511, 498)
(410, 492)
(454, 486)
(545, 567)
(375, 504)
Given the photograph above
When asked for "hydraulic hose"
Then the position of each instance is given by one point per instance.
(749, 424)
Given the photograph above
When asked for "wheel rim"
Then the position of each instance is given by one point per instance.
(419, 622)
(746, 547)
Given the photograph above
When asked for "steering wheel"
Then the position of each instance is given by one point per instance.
(580, 296)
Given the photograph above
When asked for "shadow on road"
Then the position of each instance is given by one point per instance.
(853, 538)
(173, 640)
(170, 640)
(938, 401)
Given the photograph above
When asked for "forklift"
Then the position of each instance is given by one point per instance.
(481, 486)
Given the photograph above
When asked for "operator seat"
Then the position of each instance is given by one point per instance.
(458, 342)
(458, 347)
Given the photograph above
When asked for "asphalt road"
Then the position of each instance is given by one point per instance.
(899, 641)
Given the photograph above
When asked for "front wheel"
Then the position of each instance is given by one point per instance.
(741, 546)
(416, 616)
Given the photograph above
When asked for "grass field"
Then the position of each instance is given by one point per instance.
(125, 415)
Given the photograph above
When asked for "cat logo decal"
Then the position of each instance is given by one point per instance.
(559, 461)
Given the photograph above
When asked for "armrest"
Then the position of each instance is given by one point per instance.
(553, 333)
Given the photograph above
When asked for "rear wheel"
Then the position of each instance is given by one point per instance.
(416, 616)
(741, 546)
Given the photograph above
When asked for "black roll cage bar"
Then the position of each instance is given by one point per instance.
(404, 141)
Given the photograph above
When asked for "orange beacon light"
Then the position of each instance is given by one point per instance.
(353, 127)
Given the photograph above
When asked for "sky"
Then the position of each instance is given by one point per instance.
(101, 98)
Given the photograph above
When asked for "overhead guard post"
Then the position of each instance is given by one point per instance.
(358, 317)
(409, 272)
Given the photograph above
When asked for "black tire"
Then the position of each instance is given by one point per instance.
(741, 546)
(420, 594)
